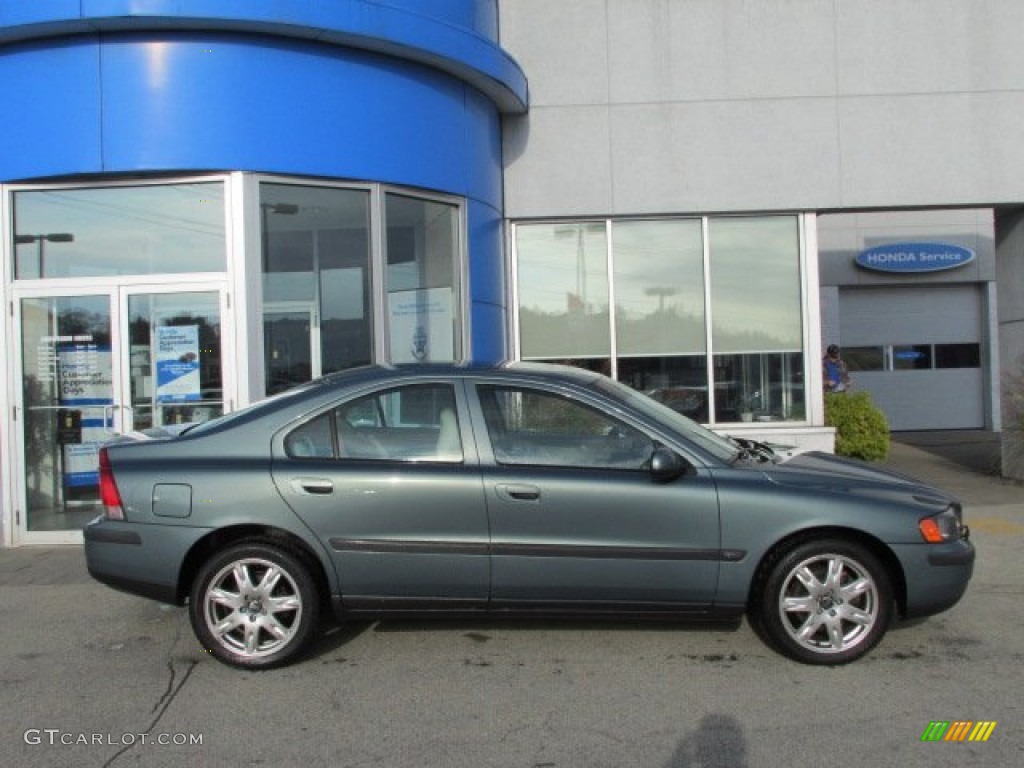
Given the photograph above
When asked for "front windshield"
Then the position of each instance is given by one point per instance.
(714, 444)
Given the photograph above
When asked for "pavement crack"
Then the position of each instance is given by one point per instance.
(175, 683)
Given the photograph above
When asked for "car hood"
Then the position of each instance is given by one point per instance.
(837, 474)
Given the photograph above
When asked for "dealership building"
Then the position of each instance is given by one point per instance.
(205, 203)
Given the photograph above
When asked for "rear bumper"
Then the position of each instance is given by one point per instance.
(936, 575)
(129, 557)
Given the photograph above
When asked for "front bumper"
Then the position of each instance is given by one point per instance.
(936, 575)
(140, 559)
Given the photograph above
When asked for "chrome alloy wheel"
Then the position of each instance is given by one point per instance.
(253, 607)
(829, 603)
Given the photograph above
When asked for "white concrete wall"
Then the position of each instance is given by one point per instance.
(662, 106)
(1010, 302)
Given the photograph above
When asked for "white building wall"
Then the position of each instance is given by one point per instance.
(654, 106)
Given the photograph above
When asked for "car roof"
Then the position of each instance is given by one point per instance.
(548, 371)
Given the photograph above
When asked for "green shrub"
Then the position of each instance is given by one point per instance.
(862, 431)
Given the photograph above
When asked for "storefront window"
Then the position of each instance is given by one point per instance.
(317, 311)
(138, 230)
(756, 318)
(660, 319)
(678, 382)
(423, 300)
(563, 292)
(667, 304)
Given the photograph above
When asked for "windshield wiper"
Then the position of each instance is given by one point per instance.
(752, 449)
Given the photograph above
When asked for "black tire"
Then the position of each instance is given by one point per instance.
(254, 605)
(825, 602)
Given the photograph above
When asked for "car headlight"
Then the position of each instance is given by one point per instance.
(943, 527)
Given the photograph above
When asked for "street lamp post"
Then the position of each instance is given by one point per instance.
(50, 237)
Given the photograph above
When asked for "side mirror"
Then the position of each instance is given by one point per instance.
(667, 465)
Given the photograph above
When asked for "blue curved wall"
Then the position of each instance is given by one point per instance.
(398, 91)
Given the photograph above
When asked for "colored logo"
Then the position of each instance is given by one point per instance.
(958, 730)
(914, 257)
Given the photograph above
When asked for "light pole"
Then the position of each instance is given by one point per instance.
(51, 237)
(662, 292)
(282, 209)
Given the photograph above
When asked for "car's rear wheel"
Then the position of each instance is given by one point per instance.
(254, 605)
(825, 602)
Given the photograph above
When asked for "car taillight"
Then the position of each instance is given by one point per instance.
(110, 497)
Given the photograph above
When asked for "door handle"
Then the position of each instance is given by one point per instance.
(314, 486)
(109, 409)
(518, 491)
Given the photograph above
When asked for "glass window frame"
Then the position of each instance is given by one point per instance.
(934, 356)
(10, 191)
(380, 350)
(578, 237)
(603, 443)
(811, 413)
(458, 274)
(383, 437)
(241, 269)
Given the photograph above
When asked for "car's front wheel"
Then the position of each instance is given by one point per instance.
(825, 602)
(254, 605)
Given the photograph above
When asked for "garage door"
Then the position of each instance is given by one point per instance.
(918, 351)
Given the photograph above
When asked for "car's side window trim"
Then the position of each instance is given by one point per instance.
(299, 447)
(620, 446)
(452, 440)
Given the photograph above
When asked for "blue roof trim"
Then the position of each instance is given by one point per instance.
(412, 35)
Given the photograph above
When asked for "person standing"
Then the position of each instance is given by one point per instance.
(834, 371)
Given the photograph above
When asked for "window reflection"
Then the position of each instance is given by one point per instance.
(659, 287)
(755, 284)
(759, 387)
(563, 290)
(422, 242)
(912, 357)
(864, 358)
(175, 358)
(171, 228)
(663, 315)
(681, 383)
(67, 365)
(316, 281)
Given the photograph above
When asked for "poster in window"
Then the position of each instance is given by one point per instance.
(85, 373)
(177, 363)
(421, 326)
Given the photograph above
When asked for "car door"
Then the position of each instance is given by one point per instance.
(576, 517)
(389, 482)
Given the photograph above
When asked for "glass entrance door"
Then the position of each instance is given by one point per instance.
(92, 366)
(291, 345)
(67, 408)
(174, 358)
